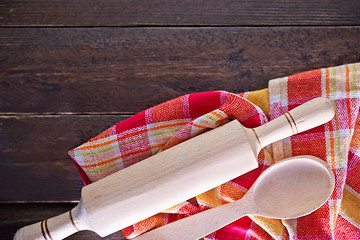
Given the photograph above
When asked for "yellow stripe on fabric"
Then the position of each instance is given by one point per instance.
(213, 119)
(230, 192)
(105, 169)
(350, 204)
(333, 82)
(261, 99)
(348, 103)
(353, 80)
(122, 156)
(337, 136)
(99, 150)
(174, 209)
(95, 144)
(211, 197)
(356, 75)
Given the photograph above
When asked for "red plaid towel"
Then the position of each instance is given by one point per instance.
(165, 125)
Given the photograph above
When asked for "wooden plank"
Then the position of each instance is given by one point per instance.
(34, 162)
(160, 12)
(15, 216)
(126, 70)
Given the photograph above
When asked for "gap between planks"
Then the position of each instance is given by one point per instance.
(155, 26)
(54, 115)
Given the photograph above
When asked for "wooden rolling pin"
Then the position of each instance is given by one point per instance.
(175, 175)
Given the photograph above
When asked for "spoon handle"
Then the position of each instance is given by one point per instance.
(304, 117)
(203, 223)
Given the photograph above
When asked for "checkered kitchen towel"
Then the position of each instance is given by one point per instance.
(165, 125)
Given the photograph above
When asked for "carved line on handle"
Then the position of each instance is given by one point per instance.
(45, 230)
(292, 123)
(257, 138)
(42, 230)
(72, 221)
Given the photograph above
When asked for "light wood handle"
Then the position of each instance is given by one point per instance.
(55, 228)
(183, 229)
(304, 117)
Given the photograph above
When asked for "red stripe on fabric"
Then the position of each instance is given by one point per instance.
(165, 111)
(234, 231)
(345, 230)
(247, 180)
(306, 85)
(316, 223)
(199, 104)
(202, 103)
(242, 110)
(353, 179)
(128, 230)
(133, 122)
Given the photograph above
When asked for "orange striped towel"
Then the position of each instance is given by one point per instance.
(165, 125)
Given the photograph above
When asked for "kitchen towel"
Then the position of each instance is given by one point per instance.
(167, 124)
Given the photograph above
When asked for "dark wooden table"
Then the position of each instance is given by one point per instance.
(71, 69)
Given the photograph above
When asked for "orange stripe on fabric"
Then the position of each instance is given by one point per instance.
(327, 82)
(218, 115)
(196, 125)
(92, 146)
(87, 147)
(332, 146)
(122, 156)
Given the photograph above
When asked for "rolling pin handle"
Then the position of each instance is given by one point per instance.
(313, 113)
(56, 228)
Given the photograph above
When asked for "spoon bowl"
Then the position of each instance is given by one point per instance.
(291, 188)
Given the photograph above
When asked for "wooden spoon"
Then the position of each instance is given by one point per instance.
(291, 188)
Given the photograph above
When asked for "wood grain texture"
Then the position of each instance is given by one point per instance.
(16, 215)
(126, 70)
(79, 66)
(34, 162)
(162, 12)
